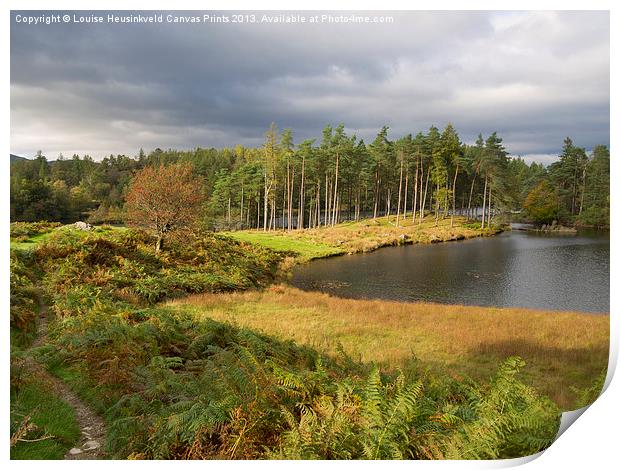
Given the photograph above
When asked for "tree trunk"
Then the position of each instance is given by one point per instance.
(376, 201)
(456, 173)
(405, 195)
(489, 219)
(437, 206)
(338, 204)
(266, 205)
(484, 200)
(271, 214)
(318, 210)
(327, 200)
(583, 190)
(334, 212)
(258, 211)
(241, 208)
(414, 205)
(159, 245)
(471, 193)
(573, 199)
(300, 215)
(445, 201)
(423, 201)
(400, 189)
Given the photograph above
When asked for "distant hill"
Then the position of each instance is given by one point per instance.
(16, 158)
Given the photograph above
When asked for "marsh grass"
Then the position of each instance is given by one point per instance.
(563, 350)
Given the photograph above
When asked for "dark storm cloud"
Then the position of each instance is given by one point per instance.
(535, 77)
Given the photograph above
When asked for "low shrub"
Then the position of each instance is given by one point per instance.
(122, 266)
(21, 231)
(24, 305)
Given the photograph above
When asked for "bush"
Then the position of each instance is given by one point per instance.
(594, 217)
(120, 265)
(21, 231)
(541, 204)
(24, 299)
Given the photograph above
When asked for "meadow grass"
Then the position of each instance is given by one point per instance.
(56, 429)
(30, 242)
(563, 350)
(361, 236)
(279, 241)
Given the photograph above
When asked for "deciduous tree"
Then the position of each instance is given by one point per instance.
(165, 199)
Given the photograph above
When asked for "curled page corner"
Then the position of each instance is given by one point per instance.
(568, 418)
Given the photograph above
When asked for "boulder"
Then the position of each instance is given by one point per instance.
(91, 445)
(83, 226)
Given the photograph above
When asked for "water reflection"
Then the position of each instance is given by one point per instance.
(559, 272)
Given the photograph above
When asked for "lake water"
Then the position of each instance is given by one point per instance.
(514, 269)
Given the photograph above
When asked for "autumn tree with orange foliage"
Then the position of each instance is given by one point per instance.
(165, 199)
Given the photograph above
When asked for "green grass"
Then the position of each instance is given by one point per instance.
(305, 249)
(52, 417)
(76, 378)
(31, 242)
(361, 236)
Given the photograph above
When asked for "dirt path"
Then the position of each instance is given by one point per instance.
(92, 427)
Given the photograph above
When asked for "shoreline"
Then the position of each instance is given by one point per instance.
(364, 236)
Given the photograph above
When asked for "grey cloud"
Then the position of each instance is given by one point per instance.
(535, 77)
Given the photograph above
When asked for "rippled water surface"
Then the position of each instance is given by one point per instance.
(514, 269)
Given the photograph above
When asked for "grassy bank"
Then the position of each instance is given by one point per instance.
(43, 426)
(80, 274)
(177, 384)
(563, 350)
(27, 235)
(362, 236)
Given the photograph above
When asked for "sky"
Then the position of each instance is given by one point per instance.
(113, 88)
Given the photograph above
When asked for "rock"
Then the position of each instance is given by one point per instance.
(557, 228)
(83, 226)
(91, 445)
(75, 451)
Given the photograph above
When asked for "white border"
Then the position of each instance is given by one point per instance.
(591, 442)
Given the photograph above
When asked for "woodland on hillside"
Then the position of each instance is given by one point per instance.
(324, 181)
